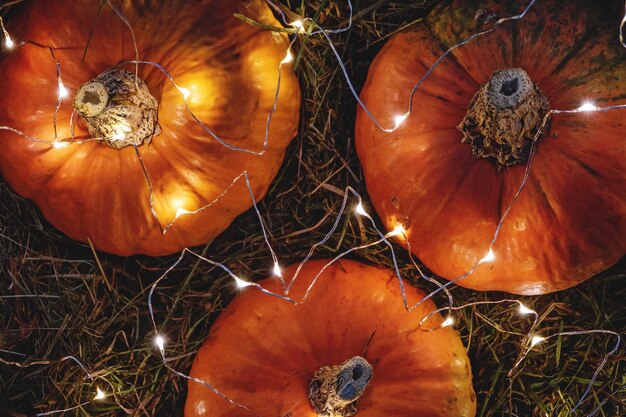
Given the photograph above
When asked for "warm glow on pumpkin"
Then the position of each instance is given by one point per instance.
(59, 144)
(121, 130)
(225, 69)
(179, 204)
(398, 231)
(181, 211)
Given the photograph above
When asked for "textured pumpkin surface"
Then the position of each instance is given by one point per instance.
(92, 191)
(262, 352)
(569, 221)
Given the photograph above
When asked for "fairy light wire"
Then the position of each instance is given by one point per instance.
(382, 237)
(47, 362)
(63, 92)
(8, 41)
(360, 210)
(123, 18)
(416, 86)
(301, 22)
(598, 369)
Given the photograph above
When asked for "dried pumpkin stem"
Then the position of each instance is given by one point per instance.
(504, 117)
(334, 390)
(118, 109)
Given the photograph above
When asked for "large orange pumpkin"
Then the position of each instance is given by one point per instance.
(449, 172)
(352, 337)
(97, 190)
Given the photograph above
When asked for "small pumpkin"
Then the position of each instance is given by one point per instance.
(97, 190)
(449, 172)
(351, 347)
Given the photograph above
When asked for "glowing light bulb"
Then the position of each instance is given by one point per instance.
(119, 136)
(490, 256)
(58, 144)
(100, 395)
(241, 283)
(121, 130)
(398, 230)
(180, 212)
(298, 24)
(399, 119)
(62, 90)
(288, 58)
(587, 106)
(525, 310)
(184, 92)
(160, 342)
(277, 271)
(360, 210)
(536, 339)
(449, 321)
(8, 42)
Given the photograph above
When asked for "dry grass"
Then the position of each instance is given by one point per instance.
(58, 298)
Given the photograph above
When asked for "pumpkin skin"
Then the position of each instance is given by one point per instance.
(93, 192)
(262, 352)
(569, 221)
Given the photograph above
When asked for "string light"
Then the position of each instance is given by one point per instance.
(523, 310)
(399, 119)
(398, 229)
(587, 106)
(121, 130)
(241, 283)
(535, 340)
(298, 24)
(184, 92)
(277, 271)
(449, 321)
(288, 57)
(159, 341)
(8, 42)
(489, 257)
(62, 90)
(360, 210)
(100, 395)
(181, 211)
(59, 144)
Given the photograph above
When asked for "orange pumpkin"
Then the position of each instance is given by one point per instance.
(97, 190)
(352, 337)
(449, 172)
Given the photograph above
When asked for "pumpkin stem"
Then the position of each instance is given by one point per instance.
(334, 390)
(504, 117)
(118, 109)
